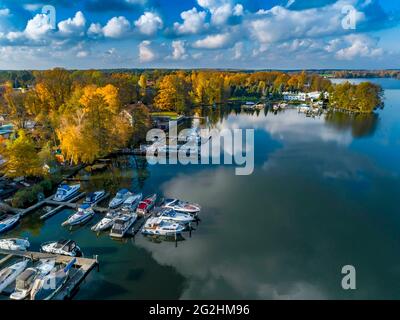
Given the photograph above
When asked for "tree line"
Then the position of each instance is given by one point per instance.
(82, 114)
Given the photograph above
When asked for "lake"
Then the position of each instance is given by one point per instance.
(324, 194)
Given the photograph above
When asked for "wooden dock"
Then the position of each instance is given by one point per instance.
(81, 270)
(60, 205)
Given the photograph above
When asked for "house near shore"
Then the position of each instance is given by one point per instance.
(128, 111)
(304, 96)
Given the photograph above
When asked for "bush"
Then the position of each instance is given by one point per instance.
(29, 196)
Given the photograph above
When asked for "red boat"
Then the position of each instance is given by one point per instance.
(146, 205)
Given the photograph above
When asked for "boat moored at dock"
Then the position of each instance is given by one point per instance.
(9, 274)
(84, 214)
(132, 203)
(120, 198)
(122, 225)
(107, 222)
(158, 227)
(146, 205)
(182, 206)
(62, 247)
(42, 291)
(94, 197)
(26, 280)
(14, 244)
(8, 222)
(170, 215)
(66, 192)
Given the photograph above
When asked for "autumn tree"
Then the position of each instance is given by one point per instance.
(21, 157)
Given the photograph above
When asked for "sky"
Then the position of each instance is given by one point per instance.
(238, 34)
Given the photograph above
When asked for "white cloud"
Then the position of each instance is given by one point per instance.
(217, 41)
(95, 30)
(359, 46)
(117, 27)
(179, 50)
(82, 54)
(38, 27)
(221, 10)
(149, 23)
(281, 24)
(4, 12)
(238, 50)
(145, 52)
(74, 26)
(193, 22)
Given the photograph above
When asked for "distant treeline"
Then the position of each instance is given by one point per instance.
(367, 74)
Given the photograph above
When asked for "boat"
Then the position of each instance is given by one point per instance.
(42, 291)
(107, 222)
(157, 227)
(14, 244)
(132, 203)
(84, 214)
(146, 205)
(94, 197)
(9, 274)
(167, 214)
(26, 280)
(120, 198)
(122, 225)
(8, 222)
(66, 192)
(62, 247)
(182, 206)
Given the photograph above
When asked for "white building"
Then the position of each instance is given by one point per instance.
(302, 96)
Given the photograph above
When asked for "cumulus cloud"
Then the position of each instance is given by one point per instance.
(217, 41)
(221, 10)
(359, 46)
(149, 23)
(74, 26)
(145, 52)
(117, 27)
(193, 22)
(179, 50)
(38, 27)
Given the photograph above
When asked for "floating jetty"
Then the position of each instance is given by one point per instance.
(81, 270)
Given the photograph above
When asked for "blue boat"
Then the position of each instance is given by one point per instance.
(8, 222)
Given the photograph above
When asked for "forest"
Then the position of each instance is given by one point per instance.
(82, 115)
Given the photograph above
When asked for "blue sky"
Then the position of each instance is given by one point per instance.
(242, 34)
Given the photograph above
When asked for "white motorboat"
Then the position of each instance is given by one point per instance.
(107, 222)
(63, 247)
(84, 214)
(26, 279)
(122, 225)
(146, 205)
(168, 214)
(43, 291)
(132, 202)
(8, 222)
(158, 227)
(14, 244)
(9, 274)
(182, 206)
(94, 197)
(66, 192)
(120, 198)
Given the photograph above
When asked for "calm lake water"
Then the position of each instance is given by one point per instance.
(324, 194)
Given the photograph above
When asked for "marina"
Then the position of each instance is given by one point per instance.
(250, 227)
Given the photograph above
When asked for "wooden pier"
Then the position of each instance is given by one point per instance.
(78, 273)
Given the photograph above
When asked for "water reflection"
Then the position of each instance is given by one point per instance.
(361, 125)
